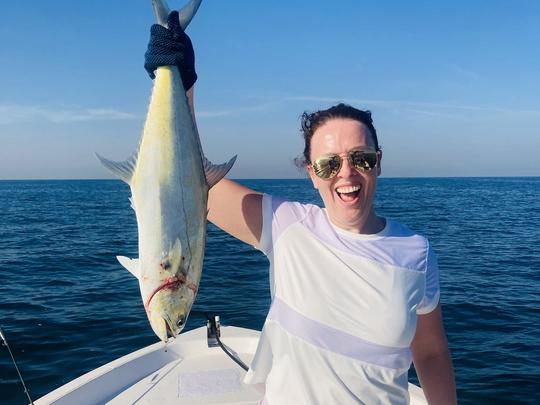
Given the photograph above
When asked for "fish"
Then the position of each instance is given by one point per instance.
(169, 178)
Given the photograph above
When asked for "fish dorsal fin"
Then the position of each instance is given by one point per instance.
(215, 173)
(123, 170)
(132, 265)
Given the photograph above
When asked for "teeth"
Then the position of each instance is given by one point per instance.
(350, 189)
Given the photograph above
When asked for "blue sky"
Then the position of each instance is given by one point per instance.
(454, 87)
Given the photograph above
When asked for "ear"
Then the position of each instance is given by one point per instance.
(312, 175)
(379, 152)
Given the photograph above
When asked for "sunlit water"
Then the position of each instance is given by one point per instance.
(67, 306)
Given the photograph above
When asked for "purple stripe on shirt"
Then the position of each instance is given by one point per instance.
(336, 341)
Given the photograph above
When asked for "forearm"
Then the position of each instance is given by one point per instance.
(436, 376)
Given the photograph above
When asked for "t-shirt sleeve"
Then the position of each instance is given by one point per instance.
(278, 215)
(432, 291)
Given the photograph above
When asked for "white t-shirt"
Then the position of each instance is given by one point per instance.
(343, 310)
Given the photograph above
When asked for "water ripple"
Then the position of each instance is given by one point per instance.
(64, 298)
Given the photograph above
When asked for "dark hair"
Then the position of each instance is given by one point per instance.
(310, 122)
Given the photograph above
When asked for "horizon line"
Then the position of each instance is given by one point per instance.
(293, 178)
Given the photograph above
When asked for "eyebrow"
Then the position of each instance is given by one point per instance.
(363, 148)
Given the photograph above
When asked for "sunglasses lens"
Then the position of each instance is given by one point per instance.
(363, 161)
(327, 167)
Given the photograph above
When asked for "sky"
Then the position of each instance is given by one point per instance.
(454, 87)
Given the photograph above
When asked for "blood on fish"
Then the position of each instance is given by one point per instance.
(165, 265)
(192, 287)
(169, 284)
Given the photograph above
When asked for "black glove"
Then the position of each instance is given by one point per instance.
(171, 47)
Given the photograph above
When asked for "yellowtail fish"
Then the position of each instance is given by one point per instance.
(169, 180)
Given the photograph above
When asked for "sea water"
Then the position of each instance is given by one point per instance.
(67, 306)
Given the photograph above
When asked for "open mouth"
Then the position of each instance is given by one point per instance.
(169, 331)
(348, 194)
(174, 329)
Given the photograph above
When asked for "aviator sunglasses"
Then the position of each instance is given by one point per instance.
(329, 165)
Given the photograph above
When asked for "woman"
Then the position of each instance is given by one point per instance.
(355, 296)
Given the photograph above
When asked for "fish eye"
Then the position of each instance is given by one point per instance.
(181, 321)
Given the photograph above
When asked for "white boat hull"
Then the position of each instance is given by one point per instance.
(185, 371)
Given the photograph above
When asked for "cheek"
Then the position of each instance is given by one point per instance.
(370, 185)
(325, 189)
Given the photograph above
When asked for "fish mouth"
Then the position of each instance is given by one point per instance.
(168, 307)
(168, 325)
(173, 329)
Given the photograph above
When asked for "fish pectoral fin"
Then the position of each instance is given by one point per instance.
(124, 170)
(132, 265)
(214, 173)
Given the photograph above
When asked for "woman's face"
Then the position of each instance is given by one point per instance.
(348, 197)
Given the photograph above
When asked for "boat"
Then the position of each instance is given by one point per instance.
(189, 370)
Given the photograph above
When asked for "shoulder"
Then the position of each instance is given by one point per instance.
(399, 229)
(411, 249)
(286, 211)
(279, 215)
(396, 229)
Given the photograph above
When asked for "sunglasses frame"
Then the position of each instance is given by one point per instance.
(320, 168)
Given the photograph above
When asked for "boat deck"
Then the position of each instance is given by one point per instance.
(185, 371)
(211, 378)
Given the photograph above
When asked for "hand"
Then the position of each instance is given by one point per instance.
(171, 47)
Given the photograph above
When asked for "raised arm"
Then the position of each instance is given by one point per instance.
(234, 208)
(237, 210)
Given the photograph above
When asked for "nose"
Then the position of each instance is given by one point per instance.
(346, 169)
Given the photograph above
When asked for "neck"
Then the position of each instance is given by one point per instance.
(374, 225)
(370, 225)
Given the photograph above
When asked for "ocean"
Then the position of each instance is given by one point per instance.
(67, 306)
